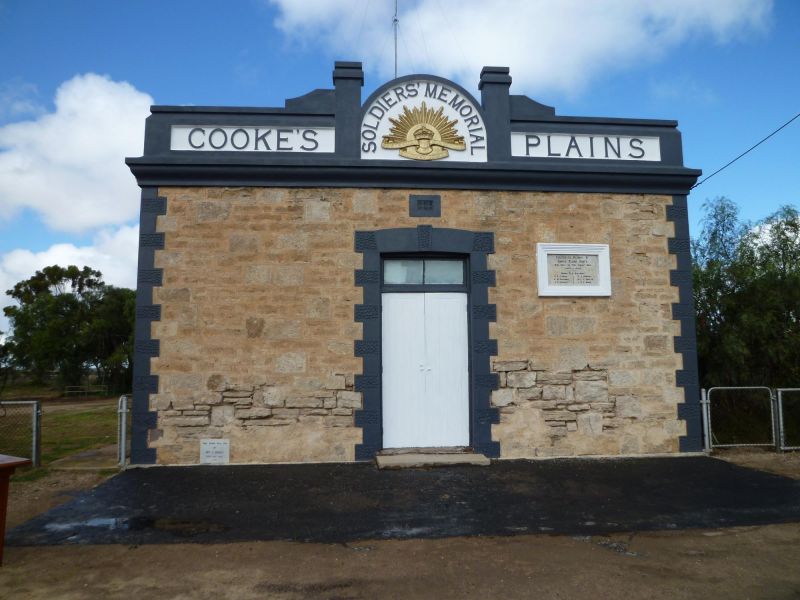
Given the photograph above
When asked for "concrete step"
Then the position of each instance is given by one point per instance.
(411, 460)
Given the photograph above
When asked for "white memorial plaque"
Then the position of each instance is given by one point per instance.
(215, 452)
(573, 269)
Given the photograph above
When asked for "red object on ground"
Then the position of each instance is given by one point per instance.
(7, 466)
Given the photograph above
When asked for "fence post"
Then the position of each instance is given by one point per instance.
(780, 442)
(36, 430)
(706, 420)
(122, 430)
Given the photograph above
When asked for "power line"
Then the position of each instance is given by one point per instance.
(753, 147)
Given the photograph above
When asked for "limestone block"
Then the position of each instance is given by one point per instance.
(620, 378)
(348, 399)
(285, 413)
(304, 402)
(250, 413)
(572, 426)
(578, 407)
(630, 444)
(318, 308)
(317, 210)
(556, 325)
(340, 412)
(243, 243)
(254, 326)
(186, 421)
(590, 375)
(282, 330)
(502, 397)
(543, 404)
(590, 423)
(237, 393)
(554, 378)
(591, 391)
(510, 365)
(209, 212)
(287, 276)
(319, 412)
(554, 392)
(559, 415)
(173, 295)
(291, 362)
(217, 383)
(221, 415)
(656, 344)
(521, 379)
(293, 241)
(335, 382)
(365, 203)
(533, 394)
(628, 407)
(269, 396)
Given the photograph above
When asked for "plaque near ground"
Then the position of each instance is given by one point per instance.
(215, 452)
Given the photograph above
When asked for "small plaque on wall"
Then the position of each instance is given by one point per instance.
(573, 269)
(215, 452)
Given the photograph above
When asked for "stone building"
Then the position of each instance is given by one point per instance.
(333, 278)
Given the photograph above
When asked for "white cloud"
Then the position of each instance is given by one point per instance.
(18, 99)
(113, 252)
(550, 46)
(68, 165)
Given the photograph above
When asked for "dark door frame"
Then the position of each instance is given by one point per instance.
(422, 240)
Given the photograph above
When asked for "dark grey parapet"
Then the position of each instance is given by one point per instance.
(341, 108)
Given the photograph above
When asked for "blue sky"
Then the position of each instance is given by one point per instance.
(726, 70)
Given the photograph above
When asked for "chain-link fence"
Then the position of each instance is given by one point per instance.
(20, 429)
(751, 416)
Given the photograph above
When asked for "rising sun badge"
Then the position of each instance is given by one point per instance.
(423, 134)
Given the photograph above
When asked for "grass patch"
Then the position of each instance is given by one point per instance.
(27, 389)
(64, 433)
(68, 432)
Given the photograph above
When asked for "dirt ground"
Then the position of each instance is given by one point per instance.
(30, 498)
(745, 562)
(758, 562)
(780, 463)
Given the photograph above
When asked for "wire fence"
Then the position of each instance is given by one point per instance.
(751, 416)
(20, 429)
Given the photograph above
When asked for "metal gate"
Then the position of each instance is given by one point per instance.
(711, 440)
(788, 424)
(21, 429)
(783, 426)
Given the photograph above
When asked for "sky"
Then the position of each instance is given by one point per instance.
(77, 78)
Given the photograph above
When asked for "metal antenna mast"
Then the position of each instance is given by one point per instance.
(395, 22)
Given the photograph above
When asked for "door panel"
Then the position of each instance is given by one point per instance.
(447, 373)
(425, 370)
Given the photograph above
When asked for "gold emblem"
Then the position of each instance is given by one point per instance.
(423, 134)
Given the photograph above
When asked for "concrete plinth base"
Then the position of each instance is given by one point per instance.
(409, 460)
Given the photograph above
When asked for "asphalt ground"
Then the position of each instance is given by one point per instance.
(339, 503)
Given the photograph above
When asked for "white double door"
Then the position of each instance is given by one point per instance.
(425, 370)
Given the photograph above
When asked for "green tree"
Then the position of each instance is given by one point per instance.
(67, 320)
(747, 297)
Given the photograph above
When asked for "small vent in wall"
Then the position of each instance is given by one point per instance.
(424, 206)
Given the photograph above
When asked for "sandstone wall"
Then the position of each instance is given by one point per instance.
(257, 325)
